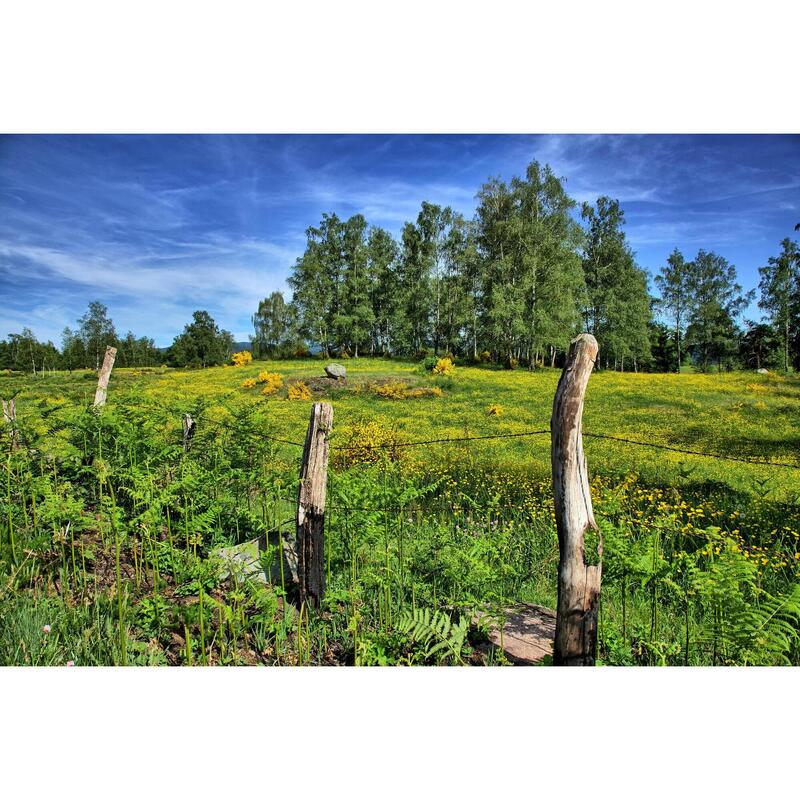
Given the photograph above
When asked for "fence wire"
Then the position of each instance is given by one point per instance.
(261, 435)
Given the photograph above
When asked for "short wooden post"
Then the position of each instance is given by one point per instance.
(105, 374)
(189, 426)
(10, 419)
(311, 506)
(578, 581)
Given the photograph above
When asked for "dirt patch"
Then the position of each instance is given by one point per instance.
(319, 385)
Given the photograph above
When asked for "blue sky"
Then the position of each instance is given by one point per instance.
(158, 226)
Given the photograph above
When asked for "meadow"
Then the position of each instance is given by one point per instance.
(111, 530)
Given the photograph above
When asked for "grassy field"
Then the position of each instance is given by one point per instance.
(110, 530)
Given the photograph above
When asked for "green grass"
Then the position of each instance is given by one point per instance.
(114, 527)
(741, 414)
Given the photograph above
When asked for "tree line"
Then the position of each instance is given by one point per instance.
(201, 344)
(515, 283)
(81, 348)
(512, 285)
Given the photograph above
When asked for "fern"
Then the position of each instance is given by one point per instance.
(435, 632)
(765, 634)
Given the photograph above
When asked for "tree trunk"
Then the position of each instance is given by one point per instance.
(578, 581)
(786, 346)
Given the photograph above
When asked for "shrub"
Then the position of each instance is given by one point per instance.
(242, 359)
(272, 382)
(485, 356)
(444, 366)
(425, 391)
(391, 391)
(299, 391)
(399, 391)
(368, 442)
(248, 383)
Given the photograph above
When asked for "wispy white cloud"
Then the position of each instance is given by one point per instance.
(159, 226)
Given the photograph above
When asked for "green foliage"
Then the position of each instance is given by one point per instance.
(202, 343)
(275, 327)
(717, 300)
(618, 306)
(435, 633)
(109, 530)
(780, 293)
(674, 284)
(23, 352)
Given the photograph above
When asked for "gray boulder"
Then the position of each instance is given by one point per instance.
(762, 371)
(336, 371)
(258, 559)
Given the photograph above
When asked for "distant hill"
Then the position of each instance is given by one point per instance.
(237, 347)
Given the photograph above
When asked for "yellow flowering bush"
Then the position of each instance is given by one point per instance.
(272, 382)
(400, 391)
(495, 410)
(248, 383)
(299, 391)
(242, 359)
(425, 391)
(368, 442)
(444, 366)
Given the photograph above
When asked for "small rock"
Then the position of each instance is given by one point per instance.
(527, 635)
(762, 371)
(336, 371)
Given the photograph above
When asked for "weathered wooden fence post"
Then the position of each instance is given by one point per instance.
(311, 506)
(578, 580)
(105, 374)
(189, 426)
(10, 419)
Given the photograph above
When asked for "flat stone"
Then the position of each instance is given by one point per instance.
(245, 560)
(528, 633)
(762, 371)
(336, 371)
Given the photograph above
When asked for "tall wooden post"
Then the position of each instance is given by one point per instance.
(105, 374)
(10, 419)
(189, 427)
(578, 581)
(311, 506)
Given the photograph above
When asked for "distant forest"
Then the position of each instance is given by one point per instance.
(512, 286)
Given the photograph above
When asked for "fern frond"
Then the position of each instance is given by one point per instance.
(434, 632)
